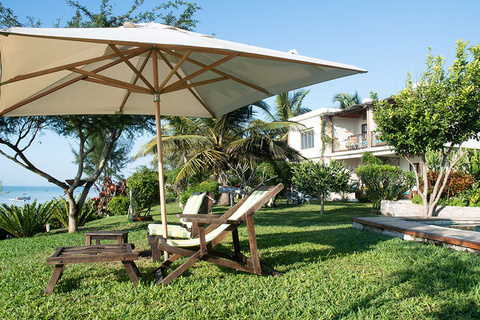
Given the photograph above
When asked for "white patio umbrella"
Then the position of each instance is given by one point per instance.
(147, 69)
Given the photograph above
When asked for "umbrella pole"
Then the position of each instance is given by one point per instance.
(163, 206)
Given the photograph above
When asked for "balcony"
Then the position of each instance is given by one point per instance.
(355, 142)
(376, 142)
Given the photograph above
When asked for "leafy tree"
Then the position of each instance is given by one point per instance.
(320, 178)
(384, 182)
(346, 100)
(145, 189)
(117, 161)
(437, 114)
(17, 134)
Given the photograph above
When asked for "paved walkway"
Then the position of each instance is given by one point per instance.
(420, 232)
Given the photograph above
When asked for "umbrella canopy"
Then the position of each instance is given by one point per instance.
(62, 71)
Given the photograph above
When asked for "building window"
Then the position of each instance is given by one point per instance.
(307, 139)
(364, 128)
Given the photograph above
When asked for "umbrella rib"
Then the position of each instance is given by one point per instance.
(116, 85)
(231, 77)
(132, 67)
(114, 82)
(127, 95)
(194, 94)
(193, 85)
(174, 70)
(131, 53)
(201, 71)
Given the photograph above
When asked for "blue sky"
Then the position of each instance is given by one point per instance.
(387, 38)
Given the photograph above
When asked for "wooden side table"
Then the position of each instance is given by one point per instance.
(87, 254)
(120, 236)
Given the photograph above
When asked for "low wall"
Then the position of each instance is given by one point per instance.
(407, 209)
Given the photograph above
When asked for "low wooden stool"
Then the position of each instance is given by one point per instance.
(121, 236)
(87, 254)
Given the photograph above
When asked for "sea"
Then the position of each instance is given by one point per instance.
(8, 194)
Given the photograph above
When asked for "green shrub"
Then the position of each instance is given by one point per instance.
(369, 158)
(25, 221)
(363, 199)
(118, 206)
(456, 202)
(384, 182)
(60, 212)
(208, 185)
(145, 189)
(417, 199)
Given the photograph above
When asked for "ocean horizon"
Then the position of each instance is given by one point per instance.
(42, 194)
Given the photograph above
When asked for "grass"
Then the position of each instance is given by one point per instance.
(331, 272)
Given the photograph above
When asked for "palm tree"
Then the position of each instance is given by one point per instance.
(215, 144)
(287, 105)
(346, 100)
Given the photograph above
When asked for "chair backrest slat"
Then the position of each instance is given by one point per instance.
(248, 205)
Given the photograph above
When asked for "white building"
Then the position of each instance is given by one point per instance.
(350, 132)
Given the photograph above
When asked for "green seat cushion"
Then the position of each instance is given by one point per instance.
(173, 231)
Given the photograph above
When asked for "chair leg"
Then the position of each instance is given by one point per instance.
(236, 243)
(252, 240)
(56, 275)
(156, 254)
(159, 271)
(181, 269)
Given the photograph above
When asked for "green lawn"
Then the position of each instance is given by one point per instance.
(331, 271)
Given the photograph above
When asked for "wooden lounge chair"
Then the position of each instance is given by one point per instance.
(197, 203)
(202, 247)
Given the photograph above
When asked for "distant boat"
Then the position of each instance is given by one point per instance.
(22, 198)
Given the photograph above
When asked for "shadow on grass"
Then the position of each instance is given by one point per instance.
(304, 247)
(286, 246)
(437, 279)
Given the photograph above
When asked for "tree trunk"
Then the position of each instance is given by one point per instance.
(322, 203)
(73, 213)
(224, 199)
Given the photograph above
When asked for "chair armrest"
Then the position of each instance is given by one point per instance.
(206, 218)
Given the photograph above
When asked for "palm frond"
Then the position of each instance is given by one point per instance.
(201, 161)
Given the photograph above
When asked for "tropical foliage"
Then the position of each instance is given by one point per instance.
(27, 220)
(109, 191)
(346, 100)
(286, 105)
(60, 209)
(215, 145)
(384, 182)
(436, 114)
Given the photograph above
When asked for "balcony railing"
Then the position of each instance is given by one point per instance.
(356, 141)
(376, 142)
